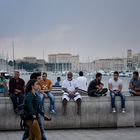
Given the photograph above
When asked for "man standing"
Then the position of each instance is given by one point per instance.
(95, 88)
(16, 91)
(134, 85)
(46, 87)
(115, 88)
(82, 81)
(70, 89)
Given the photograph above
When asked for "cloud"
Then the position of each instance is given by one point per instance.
(33, 45)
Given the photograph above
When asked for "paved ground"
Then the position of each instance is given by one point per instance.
(90, 134)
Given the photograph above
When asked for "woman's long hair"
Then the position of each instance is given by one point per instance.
(29, 85)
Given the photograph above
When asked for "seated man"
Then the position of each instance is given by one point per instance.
(115, 87)
(70, 90)
(134, 85)
(17, 91)
(95, 87)
(46, 87)
(57, 83)
(82, 81)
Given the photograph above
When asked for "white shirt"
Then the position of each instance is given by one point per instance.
(82, 82)
(115, 84)
(69, 85)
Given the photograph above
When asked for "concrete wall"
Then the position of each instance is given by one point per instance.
(96, 112)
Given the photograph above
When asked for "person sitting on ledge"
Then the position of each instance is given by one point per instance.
(70, 91)
(82, 81)
(115, 87)
(134, 85)
(3, 84)
(95, 88)
(17, 92)
(46, 87)
(57, 83)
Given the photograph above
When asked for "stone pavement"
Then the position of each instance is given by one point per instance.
(81, 134)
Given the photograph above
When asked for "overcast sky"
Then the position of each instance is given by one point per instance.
(91, 28)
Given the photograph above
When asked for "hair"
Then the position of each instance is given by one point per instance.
(116, 72)
(2, 74)
(44, 73)
(81, 73)
(35, 75)
(29, 85)
(58, 79)
(136, 73)
(98, 75)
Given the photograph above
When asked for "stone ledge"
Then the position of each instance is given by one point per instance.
(96, 112)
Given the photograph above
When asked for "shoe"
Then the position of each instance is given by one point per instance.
(53, 112)
(123, 110)
(47, 118)
(114, 110)
(105, 94)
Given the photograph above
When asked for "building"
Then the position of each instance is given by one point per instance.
(129, 60)
(87, 67)
(63, 62)
(129, 53)
(111, 64)
(59, 62)
(136, 61)
(75, 63)
(40, 61)
(30, 59)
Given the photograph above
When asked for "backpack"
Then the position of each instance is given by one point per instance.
(24, 115)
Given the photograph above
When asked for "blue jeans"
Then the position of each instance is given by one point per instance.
(41, 101)
(113, 99)
(51, 98)
(40, 121)
(17, 100)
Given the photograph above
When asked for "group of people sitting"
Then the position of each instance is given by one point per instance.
(115, 84)
(30, 98)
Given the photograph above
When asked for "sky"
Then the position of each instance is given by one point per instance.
(93, 29)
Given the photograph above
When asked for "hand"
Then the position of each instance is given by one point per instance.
(45, 95)
(116, 91)
(71, 95)
(17, 90)
(35, 122)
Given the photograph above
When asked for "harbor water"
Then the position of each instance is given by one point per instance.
(105, 79)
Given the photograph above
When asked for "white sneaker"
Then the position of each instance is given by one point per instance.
(123, 110)
(53, 111)
(113, 110)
